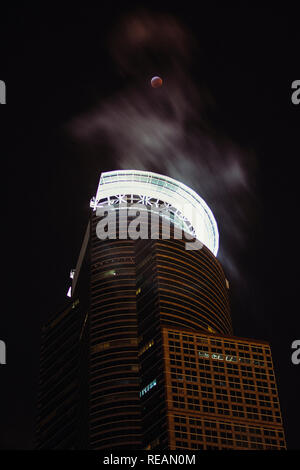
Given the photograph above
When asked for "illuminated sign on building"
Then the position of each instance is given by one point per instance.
(229, 358)
(148, 387)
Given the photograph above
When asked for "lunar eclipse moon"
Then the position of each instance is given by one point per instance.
(156, 82)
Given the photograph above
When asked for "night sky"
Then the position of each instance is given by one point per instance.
(79, 102)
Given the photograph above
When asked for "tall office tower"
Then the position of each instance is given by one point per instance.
(63, 387)
(162, 367)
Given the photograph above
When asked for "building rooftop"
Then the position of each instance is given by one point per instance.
(188, 209)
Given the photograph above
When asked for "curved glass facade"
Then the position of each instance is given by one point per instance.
(191, 285)
(137, 286)
(114, 381)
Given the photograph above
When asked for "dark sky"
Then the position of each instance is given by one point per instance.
(64, 70)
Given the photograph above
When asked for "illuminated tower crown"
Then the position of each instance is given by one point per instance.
(188, 210)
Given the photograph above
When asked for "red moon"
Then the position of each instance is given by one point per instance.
(156, 82)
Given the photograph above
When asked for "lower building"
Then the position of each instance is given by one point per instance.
(211, 392)
(62, 399)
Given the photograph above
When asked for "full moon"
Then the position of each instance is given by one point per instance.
(156, 82)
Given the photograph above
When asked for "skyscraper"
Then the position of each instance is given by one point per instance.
(152, 335)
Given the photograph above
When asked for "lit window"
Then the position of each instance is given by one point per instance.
(148, 387)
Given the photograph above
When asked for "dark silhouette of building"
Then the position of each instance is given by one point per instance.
(143, 356)
(63, 379)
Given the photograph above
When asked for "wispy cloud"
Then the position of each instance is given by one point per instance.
(167, 130)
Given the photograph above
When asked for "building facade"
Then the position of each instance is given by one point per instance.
(154, 339)
(62, 404)
(220, 394)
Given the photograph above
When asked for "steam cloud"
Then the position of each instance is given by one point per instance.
(166, 130)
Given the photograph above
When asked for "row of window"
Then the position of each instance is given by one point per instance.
(232, 427)
(218, 342)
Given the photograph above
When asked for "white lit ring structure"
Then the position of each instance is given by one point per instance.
(188, 209)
